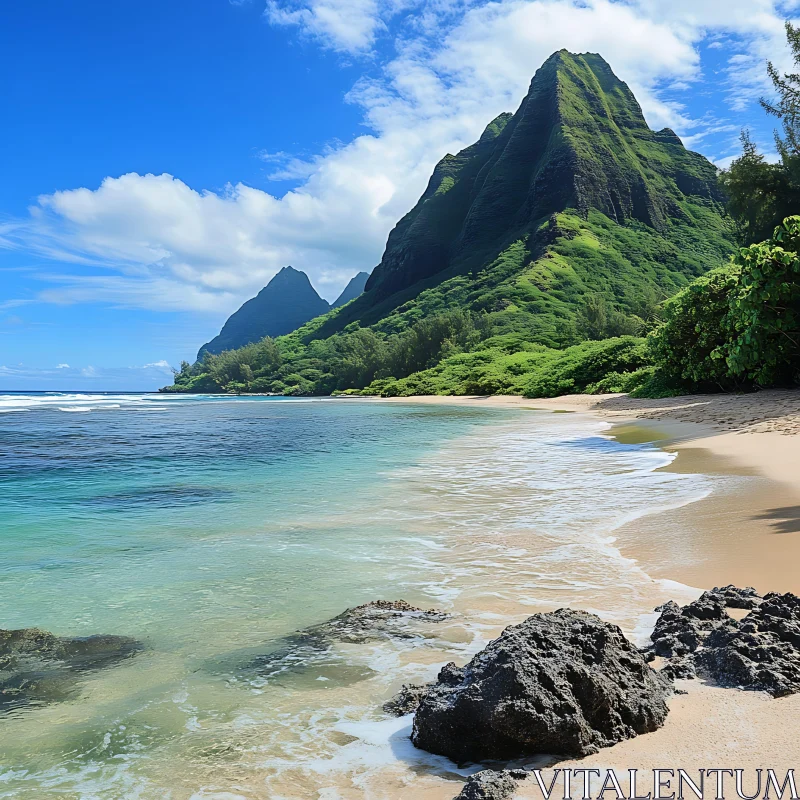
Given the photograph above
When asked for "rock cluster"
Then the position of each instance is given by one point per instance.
(567, 683)
(679, 631)
(563, 683)
(38, 667)
(376, 620)
(491, 785)
(759, 652)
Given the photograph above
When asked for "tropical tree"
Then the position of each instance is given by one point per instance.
(762, 194)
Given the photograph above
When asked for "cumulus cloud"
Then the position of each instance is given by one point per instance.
(153, 241)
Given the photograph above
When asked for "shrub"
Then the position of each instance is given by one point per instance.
(690, 345)
(739, 325)
(575, 369)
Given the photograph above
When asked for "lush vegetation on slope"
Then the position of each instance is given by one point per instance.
(568, 223)
(499, 367)
(578, 141)
(596, 279)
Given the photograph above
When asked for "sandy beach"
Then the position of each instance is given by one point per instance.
(749, 538)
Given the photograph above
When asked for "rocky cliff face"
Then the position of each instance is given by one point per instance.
(578, 141)
(285, 303)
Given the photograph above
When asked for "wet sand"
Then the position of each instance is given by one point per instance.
(747, 536)
(748, 533)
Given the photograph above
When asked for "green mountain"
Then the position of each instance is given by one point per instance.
(572, 195)
(284, 304)
(353, 289)
(569, 219)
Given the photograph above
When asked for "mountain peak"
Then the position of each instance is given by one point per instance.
(354, 288)
(578, 140)
(284, 304)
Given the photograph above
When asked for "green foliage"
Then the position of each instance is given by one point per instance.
(489, 370)
(622, 382)
(689, 347)
(787, 106)
(597, 320)
(353, 358)
(764, 313)
(535, 371)
(759, 193)
(740, 325)
(762, 194)
(584, 367)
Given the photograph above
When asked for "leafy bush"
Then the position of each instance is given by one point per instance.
(690, 344)
(616, 382)
(577, 368)
(738, 326)
(764, 310)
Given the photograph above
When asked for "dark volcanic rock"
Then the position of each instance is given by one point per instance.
(679, 631)
(407, 700)
(561, 683)
(680, 667)
(380, 619)
(38, 667)
(761, 652)
(375, 620)
(732, 597)
(491, 785)
(682, 630)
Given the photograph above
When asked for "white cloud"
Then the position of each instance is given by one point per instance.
(344, 25)
(63, 366)
(153, 241)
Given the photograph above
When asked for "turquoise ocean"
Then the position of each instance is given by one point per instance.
(209, 528)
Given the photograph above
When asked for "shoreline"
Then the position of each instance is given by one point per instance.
(746, 533)
(715, 423)
(744, 537)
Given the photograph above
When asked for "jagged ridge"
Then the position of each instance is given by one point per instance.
(578, 141)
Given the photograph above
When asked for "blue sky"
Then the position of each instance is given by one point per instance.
(162, 160)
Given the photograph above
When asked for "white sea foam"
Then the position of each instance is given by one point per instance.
(79, 401)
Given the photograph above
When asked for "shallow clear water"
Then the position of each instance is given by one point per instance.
(209, 528)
